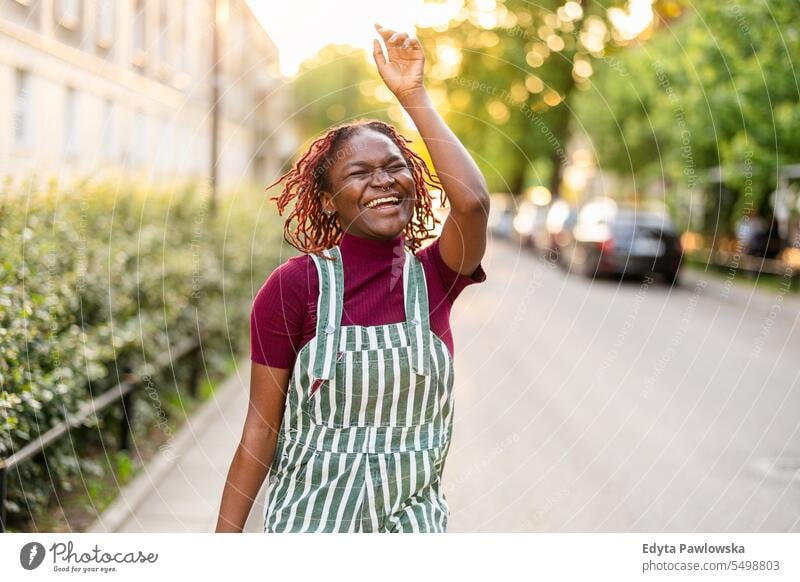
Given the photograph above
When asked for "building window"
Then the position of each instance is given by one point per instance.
(141, 130)
(139, 33)
(22, 108)
(105, 23)
(109, 130)
(183, 37)
(70, 122)
(163, 34)
(68, 13)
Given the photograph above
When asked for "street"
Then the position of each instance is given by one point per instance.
(608, 406)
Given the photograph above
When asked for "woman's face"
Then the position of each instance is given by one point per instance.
(369, 166)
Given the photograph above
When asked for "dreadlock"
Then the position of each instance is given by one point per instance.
(315, 230)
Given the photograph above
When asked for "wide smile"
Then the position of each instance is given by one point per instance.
(387, 203)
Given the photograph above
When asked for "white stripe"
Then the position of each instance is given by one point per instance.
(337, 526)
(389, 431)
(351, 442)
(313, 499)
(447, 394)
(418, 333)
(388, 503)
(318, 395)
(370, 487)
(412, 390)
(333, 487)
(331, 315)
(303, 495)
(396, 388)
(364, 392)
(413, 472)
(372, 335)
(372, 437)
(403, 338)
(381, 386)
(398, 473)
(348, 388)
(409, 511)
(424, 416)
(438, 398)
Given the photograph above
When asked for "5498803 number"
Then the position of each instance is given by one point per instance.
(756, 565)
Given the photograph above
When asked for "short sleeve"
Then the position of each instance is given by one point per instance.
(453, 281)
(277, 315)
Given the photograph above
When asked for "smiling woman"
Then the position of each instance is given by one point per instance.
(351, 405)
(342, 174)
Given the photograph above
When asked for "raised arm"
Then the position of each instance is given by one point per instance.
(463, 239)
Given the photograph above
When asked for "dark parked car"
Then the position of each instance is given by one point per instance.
(501, 216)
(607, 240)
(759, 238)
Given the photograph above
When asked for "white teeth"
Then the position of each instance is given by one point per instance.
(374, 203)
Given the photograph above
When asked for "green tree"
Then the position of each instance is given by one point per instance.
(716, 90)
(518, 67)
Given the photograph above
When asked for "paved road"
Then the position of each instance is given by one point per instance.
(581, 406)
(605, 406)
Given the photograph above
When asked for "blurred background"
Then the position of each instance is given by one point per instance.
(630, 363)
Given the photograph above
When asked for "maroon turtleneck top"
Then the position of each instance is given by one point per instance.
(283, 316)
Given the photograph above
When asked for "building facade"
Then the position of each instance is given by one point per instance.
(96, 88)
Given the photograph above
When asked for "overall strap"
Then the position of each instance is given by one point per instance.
(329, 312)
(417, 313)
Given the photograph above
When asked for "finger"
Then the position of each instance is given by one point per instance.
(397, 38)
(409, 43)
(384, 32)
(377, 53)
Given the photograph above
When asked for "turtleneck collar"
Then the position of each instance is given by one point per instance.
(370, 249)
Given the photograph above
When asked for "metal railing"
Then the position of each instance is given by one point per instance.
(123, 391)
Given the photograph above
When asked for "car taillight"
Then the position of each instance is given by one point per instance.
(606, 246)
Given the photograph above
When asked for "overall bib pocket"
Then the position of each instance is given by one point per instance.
(376, 388)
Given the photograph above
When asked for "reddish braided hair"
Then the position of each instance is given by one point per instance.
(316, 230)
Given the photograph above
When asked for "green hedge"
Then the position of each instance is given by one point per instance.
(101, 278)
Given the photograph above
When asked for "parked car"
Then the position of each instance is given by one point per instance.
(529, 218)
(759, 238)
(607, 240)
(501, 216)
(556, 236)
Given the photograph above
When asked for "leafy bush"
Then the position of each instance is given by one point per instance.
(99, 279)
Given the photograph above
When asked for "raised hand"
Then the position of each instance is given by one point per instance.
(404, 71)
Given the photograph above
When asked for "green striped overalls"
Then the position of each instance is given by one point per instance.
(368, 419)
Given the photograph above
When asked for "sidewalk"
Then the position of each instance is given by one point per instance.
(740, 290)
(181, 488)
